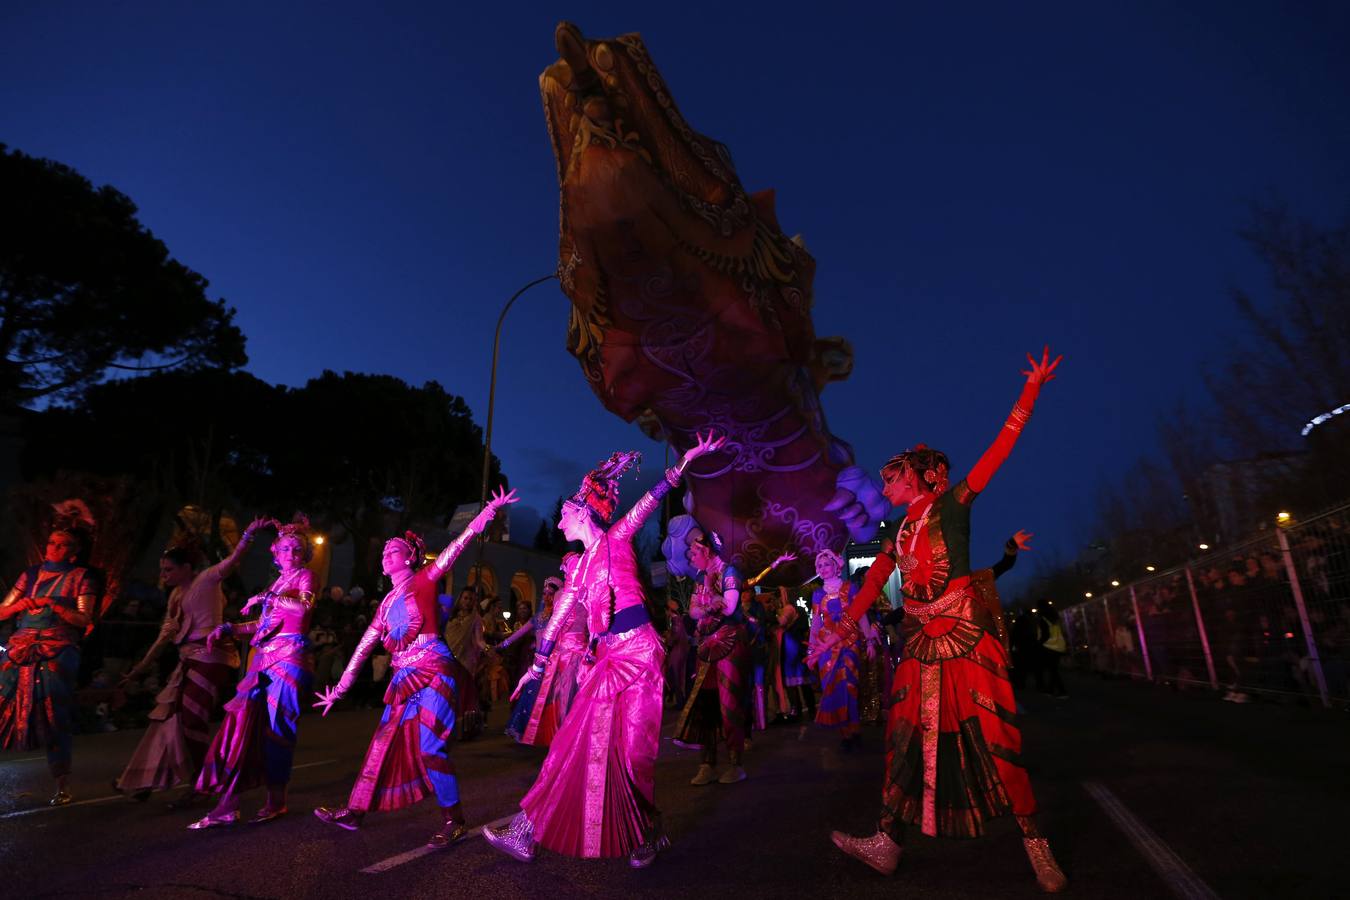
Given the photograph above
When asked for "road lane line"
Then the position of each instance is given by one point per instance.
(1171, 868)
(385, 865)
(39, 809)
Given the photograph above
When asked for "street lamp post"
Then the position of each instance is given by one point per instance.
(492, 397)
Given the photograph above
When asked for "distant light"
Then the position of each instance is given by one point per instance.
(1324, 417)
(1115, 583)
(1150, 568)
(318, 539)
(1283, 518)
(1088, 595)
(802, 604)
(1288, 634)
(1204, 546)
(506, 615)
(1049, 603)
(1034, 609)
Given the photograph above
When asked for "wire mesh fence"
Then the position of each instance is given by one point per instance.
(1269, 616)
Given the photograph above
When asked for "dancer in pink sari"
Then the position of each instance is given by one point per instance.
(256, 743)
(594, 796)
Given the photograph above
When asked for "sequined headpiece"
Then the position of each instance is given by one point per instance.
(417, 548)
(553, 581)
(599, 491)
(931, 465)
(298, 529)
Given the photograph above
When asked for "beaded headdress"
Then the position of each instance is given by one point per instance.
(73, 517)
(599, 491)
(297, 529)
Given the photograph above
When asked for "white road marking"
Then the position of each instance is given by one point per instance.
(385, 865)
(40, 809)
(1171, 868)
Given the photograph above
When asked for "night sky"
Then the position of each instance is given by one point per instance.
(367, 186)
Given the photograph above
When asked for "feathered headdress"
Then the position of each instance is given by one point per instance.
(74, 516)
(599, 491)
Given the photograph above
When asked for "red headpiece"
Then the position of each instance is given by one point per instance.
(599, 491)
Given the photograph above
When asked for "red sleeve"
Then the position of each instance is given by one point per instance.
(984, 470)
(873, 583)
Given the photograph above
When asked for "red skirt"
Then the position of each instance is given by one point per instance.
(953, 749)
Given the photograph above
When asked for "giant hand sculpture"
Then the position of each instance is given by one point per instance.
(692, 310)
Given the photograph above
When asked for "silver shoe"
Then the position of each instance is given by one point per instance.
(515, 838)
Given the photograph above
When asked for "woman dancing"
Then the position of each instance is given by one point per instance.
(409, 756)
(54, 603)
(594, 796)
(952, 748)
(174, 746)
(256, 743)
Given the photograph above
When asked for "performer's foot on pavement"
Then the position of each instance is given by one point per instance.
(732, 775)
(705, 775)
(449, 833)
(515, 838)
(60, 798)
(210, 821)
(1048, 873)
(341, 816)
(877, 851)
(267, 814)
(645, 853)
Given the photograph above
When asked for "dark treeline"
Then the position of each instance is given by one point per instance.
(1225, 469)
(120, 376)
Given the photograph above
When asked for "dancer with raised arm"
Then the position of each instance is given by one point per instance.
(409, 756)
(952, 748)
(256, 743)
(54, 604)
(173, 747)
(594, 796)
(526, 636)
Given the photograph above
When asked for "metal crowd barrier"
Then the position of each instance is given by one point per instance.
(1268, 616)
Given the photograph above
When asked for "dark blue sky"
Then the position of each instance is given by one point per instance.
(367, 186)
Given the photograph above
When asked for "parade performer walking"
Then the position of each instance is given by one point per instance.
(838, 662)
(594, 796)
(526, 636)
(952, 748)
(173, 747)
(554, 691)
(256, 743)
(718, 706)
(54, 603)
(409, 756)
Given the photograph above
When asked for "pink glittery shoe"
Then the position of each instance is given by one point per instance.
(877, 851)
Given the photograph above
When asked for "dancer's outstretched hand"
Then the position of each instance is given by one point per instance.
(502, 498)
(1042, 372)
(704, 443)
(1020, 541)
(784, 558)
(327, 698)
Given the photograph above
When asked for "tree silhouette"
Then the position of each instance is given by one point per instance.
(85, 287)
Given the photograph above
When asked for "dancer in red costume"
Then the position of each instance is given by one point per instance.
(594, 796)
(409, 756)
(54, 604)
(952, 748)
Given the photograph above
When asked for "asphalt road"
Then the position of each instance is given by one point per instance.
(1133, 781)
